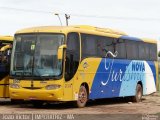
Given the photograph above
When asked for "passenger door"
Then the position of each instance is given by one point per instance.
(71, 63)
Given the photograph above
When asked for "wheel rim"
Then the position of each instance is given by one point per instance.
(82, 96)
(139, 94)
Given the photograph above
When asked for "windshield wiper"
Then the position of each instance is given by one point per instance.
(22, 74)
(27, 73)
(19, 73)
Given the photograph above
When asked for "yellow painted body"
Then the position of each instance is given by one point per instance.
(40, 94)
(69, 89)
(4, 87)
(157, 76)
(4, 82)
(6, 38)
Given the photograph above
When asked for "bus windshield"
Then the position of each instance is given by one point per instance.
(35, 55)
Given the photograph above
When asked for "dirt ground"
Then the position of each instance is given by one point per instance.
(110, 109)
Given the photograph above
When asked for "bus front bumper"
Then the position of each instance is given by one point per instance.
(27, 94)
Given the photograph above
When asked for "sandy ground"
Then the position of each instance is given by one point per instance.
(110, 109)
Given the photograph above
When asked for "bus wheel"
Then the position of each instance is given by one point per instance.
(139, 93)
(37, 103)
(82, 97)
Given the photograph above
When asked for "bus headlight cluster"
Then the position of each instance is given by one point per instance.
(53, 86)
(15, 86)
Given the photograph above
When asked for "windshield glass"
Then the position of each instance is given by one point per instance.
(36, 55)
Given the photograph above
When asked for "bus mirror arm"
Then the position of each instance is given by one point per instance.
(114, 55)
(60, 52)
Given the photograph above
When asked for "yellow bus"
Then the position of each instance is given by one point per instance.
(78, 63)
(5, 55)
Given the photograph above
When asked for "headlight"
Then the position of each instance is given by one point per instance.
(54, 86)
(14, 86)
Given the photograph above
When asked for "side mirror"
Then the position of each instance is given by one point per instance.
(60, 52)
(5, 47)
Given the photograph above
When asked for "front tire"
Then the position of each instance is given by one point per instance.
(139, 93)
(82, 97)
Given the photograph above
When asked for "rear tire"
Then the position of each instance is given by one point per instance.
(82, 97)
(139, 93)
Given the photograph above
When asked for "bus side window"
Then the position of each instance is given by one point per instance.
(72, 55)
(105, 44)
(153, 52)
(132, 49)
(121, 49)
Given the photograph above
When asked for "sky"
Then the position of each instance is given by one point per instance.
(139, 18)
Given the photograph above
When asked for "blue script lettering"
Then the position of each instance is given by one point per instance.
(113, 76)
(131, 74)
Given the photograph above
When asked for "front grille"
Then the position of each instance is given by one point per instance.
(32, 88)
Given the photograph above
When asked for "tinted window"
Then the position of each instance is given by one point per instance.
(105, 44)
(72, 55)
(153, 52)
(121, 48)
(147, 57)
(142, 51)
(89, 45)
(132, 49)
(96, 46)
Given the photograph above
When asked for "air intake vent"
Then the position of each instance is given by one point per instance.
(32, 88)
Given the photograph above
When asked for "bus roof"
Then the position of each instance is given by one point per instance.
(6, 38)
(83, 29)
(149, 40)
(139, 39)
(66, 29)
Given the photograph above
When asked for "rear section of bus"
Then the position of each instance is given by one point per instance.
(5, 55)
